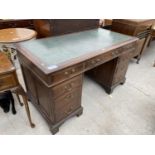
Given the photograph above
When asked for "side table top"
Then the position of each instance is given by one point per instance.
(13, 35)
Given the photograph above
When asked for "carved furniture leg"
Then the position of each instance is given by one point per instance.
(20, 91)
(28, 111)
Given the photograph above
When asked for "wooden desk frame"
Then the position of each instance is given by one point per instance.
(57, 94)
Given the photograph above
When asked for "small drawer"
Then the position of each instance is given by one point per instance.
(67, 86)
(8, 81)
(117, 52)
(67, 73)
(67, 104)
(91, 63)
(130, 47)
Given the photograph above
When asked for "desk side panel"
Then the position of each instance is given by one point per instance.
(39, 94)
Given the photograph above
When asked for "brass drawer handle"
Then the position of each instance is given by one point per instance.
(98, 60)
(66, 73)
(69, 97)
(71, 72)
(69, 87)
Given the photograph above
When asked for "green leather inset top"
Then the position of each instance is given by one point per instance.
(55, 50)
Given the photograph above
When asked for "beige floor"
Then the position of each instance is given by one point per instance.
(129, 110)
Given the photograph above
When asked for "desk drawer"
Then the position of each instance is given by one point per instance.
(67, 86)
(125, 49)
(67, 104)
(98, 60)
(67, 73)
(91, 63)
(8, 81)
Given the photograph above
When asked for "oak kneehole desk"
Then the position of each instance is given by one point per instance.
(53, 69)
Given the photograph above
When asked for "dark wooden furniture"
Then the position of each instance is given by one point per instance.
(52, 27)
(135, 27)
(53, 69)
(152, 34)
(105, 22)
(16, 23)
(9, 81)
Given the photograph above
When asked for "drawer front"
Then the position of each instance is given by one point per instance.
(8, 81)
(91, 63)
(67, 104)
(130, 48)
(67, 86)
(67, 73)
(98, 60)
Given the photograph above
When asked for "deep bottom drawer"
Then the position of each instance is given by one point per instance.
(67, 104)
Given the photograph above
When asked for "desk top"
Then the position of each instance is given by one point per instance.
(12, 35)
(52, 53)
(5, 64)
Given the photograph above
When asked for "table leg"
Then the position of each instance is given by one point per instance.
(28, 111)
(20, 91)
(19, 100)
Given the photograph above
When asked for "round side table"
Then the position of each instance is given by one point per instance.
(14, 35)
(10, 36)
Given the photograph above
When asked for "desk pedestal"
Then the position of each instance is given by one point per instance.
(111, 73)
